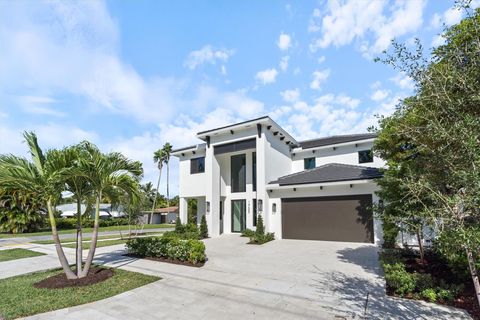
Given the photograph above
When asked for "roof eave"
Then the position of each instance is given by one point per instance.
(300, 149)
(277, 186)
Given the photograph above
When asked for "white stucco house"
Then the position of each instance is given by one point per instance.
(320, 189)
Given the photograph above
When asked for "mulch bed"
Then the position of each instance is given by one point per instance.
(436, 267)
(59, 281)
(172, 261)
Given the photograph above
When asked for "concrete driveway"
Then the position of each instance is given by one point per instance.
(284, 279)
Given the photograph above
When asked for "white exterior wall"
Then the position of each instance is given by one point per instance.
(346, 154)
(332, 190)
(191, 185)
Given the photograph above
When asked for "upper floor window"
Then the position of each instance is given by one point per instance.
(238, 173)
(197, 165)
(309, 163)
(254, 171)
(365, 156)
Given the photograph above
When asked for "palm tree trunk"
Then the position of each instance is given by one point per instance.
(79, 238)
(58, 246)
(156, 193)
(168, 189)
(93, 243)
(473, 273)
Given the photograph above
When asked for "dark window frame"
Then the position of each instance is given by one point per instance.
(197, 165)
(307, 160)
(254, 171)
(363, 159)
(254, 212)
(243, 186)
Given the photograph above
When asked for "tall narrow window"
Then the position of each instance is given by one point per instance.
(238, 173)
(197, 165)
(254, 207)
(365, 156)
(254, 171)
(309, 163)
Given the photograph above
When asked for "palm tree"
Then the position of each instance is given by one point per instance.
(108, 172)
(43, 175)
(158, 158)
(167, 150)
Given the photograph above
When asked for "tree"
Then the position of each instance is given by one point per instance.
(158, 158)
(432, 141)
(260, 229)
(42, 175)
(106, 172)
(167, 150)
(203, 227)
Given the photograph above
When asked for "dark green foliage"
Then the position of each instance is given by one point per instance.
(70, 223)
(260, 230)
(178, 225)
(390, 233)
(203, 227)
(398, 279)
(184, 235)
(248, 233)
(20, 211)
(168, 246)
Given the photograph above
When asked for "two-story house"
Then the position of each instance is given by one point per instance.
(321, 189)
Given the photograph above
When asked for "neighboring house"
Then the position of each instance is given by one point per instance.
(69, 210)
(161, 215)
(320, 189)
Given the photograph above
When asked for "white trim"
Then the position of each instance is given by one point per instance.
(301, 150)
(316, 185)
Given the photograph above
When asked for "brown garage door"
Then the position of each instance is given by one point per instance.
(343, 218)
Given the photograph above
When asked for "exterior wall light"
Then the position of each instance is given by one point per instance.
(260, 205)
(274, 208)
(208, 206)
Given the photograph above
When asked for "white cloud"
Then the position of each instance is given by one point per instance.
(449, 17)
(207, 54)
(373, 23)
(403, 81)
(284, 63)
(290, 95)
(321, 59)
(267, 76)
(379, 95)
(284, 41)
(319, 77)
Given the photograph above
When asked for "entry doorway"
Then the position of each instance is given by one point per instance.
(239, 215)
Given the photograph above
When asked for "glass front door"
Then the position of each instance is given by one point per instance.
(239, 215)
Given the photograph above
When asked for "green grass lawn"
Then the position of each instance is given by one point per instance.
(88, 238)
(72, 231)
(13, 254)
(19, 298)
(105, 243)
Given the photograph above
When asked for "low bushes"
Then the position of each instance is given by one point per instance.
(259, 236)
(428, 284)
(190, 230)
(248, 233)
(71, 223)
(168, 247)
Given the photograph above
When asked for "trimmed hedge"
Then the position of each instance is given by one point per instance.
(169, 247)
(71, 223)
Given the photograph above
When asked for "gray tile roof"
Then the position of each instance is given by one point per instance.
(331, 172)
(335, 140)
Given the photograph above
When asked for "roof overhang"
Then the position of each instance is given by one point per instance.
(265, 121)
(277, 186)
(300, 149)
(182, 151)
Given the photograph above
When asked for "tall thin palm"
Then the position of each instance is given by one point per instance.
(43, 175)
(106, 172)
(158, 158)
(167, 150)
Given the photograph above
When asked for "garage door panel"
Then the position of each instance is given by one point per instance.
(343, 218)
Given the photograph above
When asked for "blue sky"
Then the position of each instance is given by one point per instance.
(131, 75)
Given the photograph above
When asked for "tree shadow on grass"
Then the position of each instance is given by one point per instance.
(351, 294)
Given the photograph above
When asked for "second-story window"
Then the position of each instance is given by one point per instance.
(365, 156)
(238, 173)
(309, 163)
(254, 171)
(197, 165)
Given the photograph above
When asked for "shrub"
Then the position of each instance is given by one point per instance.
(429, 294)
(179, 226)
(260, 228)
(423, 281)
(203, 227)
(261, 239)
(445, 295)
(399, 279)
(168, 246)
(390, 233)
(184, 235)
(391, 256)
(248, 233)
(190, 227)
